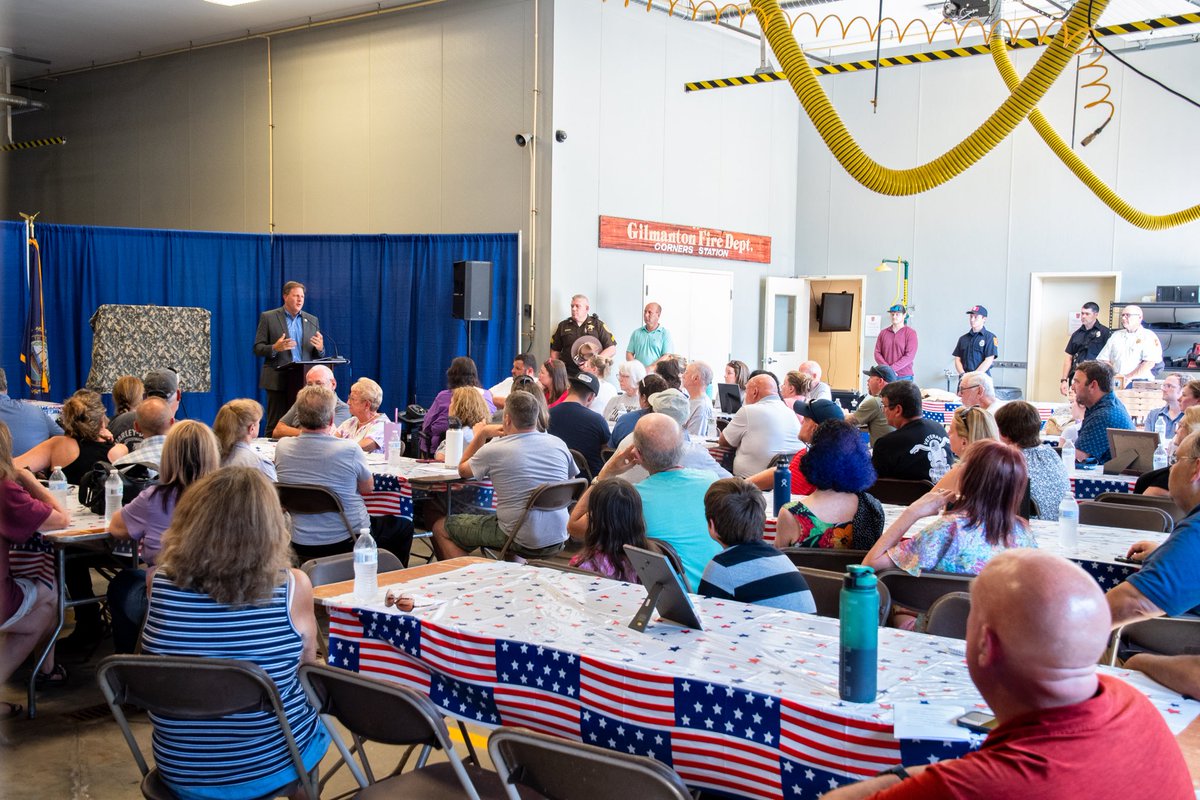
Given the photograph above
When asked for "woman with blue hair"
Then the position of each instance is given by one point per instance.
(840, 513)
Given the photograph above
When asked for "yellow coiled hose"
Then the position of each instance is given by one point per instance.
(898, 182)
(1150, 222)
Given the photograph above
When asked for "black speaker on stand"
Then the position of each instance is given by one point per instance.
(472, 298)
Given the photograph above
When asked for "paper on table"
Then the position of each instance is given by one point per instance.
(928, 721)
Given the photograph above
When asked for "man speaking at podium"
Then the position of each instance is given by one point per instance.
(284, 335)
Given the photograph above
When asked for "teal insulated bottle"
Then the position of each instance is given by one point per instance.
(860, 635)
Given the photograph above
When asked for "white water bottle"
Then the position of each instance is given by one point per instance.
(58, 485)
(454, 442)
(395, 449)
(366, 567)
(1068, 524)
(1160, 427)
(1160, 455)
(1068, 454)
(114, 494)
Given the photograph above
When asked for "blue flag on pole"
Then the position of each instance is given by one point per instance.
(33, 346)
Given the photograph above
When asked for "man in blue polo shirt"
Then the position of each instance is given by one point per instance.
(978, 347)
(1093, 389)
(30, 426)
(1166, 583)
(652, 341)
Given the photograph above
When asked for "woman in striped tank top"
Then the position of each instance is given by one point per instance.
(224, 589)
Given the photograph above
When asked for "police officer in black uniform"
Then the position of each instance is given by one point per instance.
(1084, 345)
(580, 323)
(978, 347)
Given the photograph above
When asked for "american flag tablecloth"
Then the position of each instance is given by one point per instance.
(1087, 484)
(747, 707)
(943, 410)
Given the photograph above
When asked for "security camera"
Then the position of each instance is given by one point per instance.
(523, 139)
(560, 136)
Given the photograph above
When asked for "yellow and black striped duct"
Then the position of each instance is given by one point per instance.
(29, 144)
(914, 180)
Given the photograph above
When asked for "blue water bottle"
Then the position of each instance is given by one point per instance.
(783, 485)
(860, 635)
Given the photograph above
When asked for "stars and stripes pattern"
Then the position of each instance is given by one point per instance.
(1090, 488)
(942, 410)
(32, 559)
(716, 736)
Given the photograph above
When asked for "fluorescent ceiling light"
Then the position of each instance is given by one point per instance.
(230, 2)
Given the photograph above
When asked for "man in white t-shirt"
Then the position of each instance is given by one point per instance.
(1133, 351)
(762, 428)
(523, 364)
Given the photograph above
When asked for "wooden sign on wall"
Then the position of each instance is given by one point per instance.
(620, 233)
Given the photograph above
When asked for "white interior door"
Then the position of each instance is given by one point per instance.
(784, 324)
(697, 308)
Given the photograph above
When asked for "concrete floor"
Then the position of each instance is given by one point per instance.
(73, 748)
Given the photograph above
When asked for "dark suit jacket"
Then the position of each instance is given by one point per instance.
(271, 325)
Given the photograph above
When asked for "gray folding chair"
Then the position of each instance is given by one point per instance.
(948, 616)
(897, 492)
(919, 592)
(1114, 515)
(1168, 636)
(826, 588)
(338, 568)
(668, 550)
(827, 558)
(546, 497)
(1129, 499)
(188, 687)
(558, 769)
(308, 498)
(379, 711)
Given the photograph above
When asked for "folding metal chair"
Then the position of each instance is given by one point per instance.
(1114, 515)
(1129, 499)
(919, 592)
(308, 498)
(546, 497)
(188, 687)
(1168, 636)
(562, 770)
(948, 616)
(827, 558)
(826, 588)
(379, 711)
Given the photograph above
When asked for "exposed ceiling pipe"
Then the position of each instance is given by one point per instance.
(17, 101)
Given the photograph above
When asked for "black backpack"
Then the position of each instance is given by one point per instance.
(135, 478)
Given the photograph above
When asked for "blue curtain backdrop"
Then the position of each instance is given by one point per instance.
(383, 301)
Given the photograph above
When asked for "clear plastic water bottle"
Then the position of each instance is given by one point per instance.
(859, 653)
(783, 486)
(1068, 523)
(58, 485)
(114, 494)
(395, 449)
(1068, 453)
(1160, 427)
(366, 567)
(1160, 454)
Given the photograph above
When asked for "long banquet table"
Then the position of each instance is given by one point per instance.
(748, 706)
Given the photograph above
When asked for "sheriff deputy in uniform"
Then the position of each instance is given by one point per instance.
(978, 347)
(580, 323)
(1084, 345)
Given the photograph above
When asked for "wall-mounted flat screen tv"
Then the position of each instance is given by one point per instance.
(836, 312)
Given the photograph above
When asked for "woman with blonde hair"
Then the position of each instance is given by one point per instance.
(969, 425)
(224, 589)
(469, 408)
(189, 453)
(236, 426)
(599, 366)
(86, 439)
(365, 425)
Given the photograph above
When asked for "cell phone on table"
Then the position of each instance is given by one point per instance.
(1128, 560)
(977, 721)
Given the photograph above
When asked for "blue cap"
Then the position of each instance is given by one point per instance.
(897, 309)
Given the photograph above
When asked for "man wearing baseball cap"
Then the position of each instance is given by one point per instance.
(869, 414)
(896, 345)
(577, 425)
(811, 413)
(978, 347)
